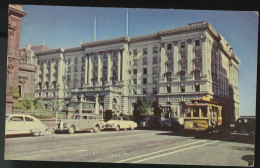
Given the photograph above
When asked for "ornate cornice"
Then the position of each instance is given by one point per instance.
(105, 42)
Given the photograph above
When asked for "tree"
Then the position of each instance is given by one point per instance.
(38, 104)
(157, 108)
(142, 107)
(57, 105)
(14, 91)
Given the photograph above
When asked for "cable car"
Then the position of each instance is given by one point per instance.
(202, 115)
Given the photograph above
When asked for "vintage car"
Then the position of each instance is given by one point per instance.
(118, 123)
(79, 122)
(23, 124)
(244, 126)
(150, 122)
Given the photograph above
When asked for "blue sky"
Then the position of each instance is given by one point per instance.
(71, 26)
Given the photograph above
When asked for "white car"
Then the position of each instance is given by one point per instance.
(118, 123)
(23, 124)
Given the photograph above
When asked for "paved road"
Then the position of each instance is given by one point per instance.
(138, 146)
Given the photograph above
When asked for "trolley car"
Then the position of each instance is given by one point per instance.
(202, 115)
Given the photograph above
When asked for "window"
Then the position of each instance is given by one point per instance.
(183, 66)
(169, 78)
(203, 111)
(135, 81)
(145, 61)
(154, 80)
(197, 43)
(47, 94)
(53, 94)
(197, 75)
(155, 70)
(76, 60)
(76, 85)
(145, 51)
(68, 69)
(197, 88)
(144, 80)
(155, 60)
(83, 67)
(95, 56)
(169, 46)
(197, 54)
(182, 76)
(169, 57)
(83, 59)
(182, 88)
(135, 52)
(115, 54)
(135, 62)
(196, 112)
(183, 55)
(155, 50)
(82, 76)
(182, 44)
(155, 90)
(198, 65)
(168, 89)
(75, 77)
(170, 68)
(19, 119)
(68, 77)
(135, 71)
(144, 91)
(145, 71)
(129, 72)
(75, 68)
(29, 119)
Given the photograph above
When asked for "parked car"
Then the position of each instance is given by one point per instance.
(79, 122)
(150, 122)
(118, 123)
(23, 124)
(244, 126)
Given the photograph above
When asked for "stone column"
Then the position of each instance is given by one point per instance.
(176, 58)
(162, 78)
(90, 69)
(109, 66)
(123, 65)
(189, 58)
(99, 69)
(86, 70)
(204, 57)
(80, 104)
(119, 66)
(97, 105)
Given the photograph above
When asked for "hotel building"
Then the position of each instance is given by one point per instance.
(172, 66)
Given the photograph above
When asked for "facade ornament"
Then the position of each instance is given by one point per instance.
(162, 44)
(175, 42)
(203, 38)
(189, 40)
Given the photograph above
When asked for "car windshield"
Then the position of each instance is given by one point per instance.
(77, 117)
(115, 118)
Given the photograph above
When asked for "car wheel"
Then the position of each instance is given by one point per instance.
(71, 130)
(36, 133)
(96, 128)
(131, 128)
(117, 128)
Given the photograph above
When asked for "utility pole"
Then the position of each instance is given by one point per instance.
(126, 22)
(95, 29)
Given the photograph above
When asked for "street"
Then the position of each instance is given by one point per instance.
(137, 146)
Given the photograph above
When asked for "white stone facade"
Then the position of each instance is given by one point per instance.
(171, 66)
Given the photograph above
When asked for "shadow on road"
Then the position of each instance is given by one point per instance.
(213, 136)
